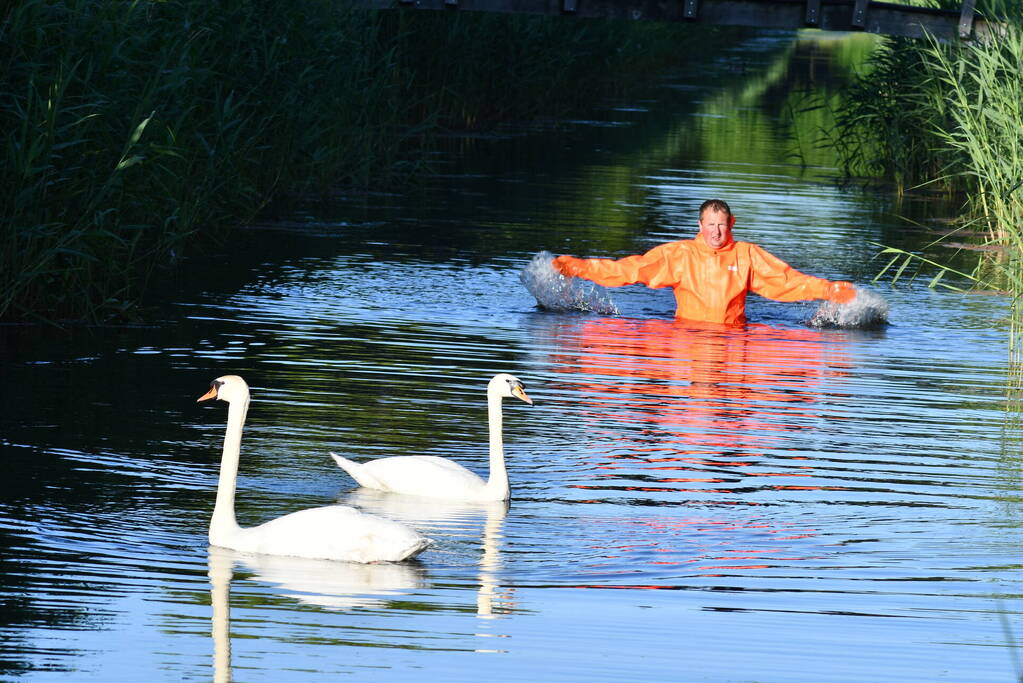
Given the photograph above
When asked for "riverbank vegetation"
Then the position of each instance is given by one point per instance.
(135, 131)
(947, 116)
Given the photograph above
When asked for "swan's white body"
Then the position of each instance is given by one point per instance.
(334, 532)
(436, 477)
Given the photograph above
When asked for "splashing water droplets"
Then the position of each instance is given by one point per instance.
(556, 292)
(869, 309)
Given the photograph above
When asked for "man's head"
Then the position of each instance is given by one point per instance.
(716, 221)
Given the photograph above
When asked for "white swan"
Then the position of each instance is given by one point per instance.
(436, 477)
(335, 532)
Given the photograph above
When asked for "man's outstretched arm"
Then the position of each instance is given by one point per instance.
(773, 278)
(651, 269)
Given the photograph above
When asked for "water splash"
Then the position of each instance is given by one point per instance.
(556, 292)
(868, 310)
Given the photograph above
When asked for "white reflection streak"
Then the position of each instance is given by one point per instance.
(490, 565)
(442, 515)
(330, 584)
(221, 566)
(490, 562)
(334, 585)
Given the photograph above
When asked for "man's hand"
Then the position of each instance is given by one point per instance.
(842, 292)
(566, 265)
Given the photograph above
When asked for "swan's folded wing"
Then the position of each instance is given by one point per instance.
(336, 532)
(424, 475)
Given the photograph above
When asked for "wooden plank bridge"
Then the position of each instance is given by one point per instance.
(829, 15)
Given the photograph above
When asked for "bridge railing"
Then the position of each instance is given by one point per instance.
(830, 15)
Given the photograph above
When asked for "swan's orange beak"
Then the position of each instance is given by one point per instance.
(212, 393)
(519, 392)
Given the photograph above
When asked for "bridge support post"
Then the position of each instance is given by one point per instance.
(813, 12)
(859, 14)
(966, 18)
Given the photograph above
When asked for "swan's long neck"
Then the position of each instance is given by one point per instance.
(498, 481)
(223, 520)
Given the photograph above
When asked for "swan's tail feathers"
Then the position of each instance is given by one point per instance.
(355, 471)
(346, 464)
(419, 547)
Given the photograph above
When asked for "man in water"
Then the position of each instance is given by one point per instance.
(711, 274)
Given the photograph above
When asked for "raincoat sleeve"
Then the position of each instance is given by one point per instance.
(773, 278)
(653, 269)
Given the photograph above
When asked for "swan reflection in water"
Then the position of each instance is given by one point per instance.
(443, 519)
(328, 584)
(343, 586)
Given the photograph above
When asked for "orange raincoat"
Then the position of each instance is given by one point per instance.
(710, 284)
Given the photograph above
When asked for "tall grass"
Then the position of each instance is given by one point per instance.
(893, 121)
(885, 125)
(130, 126)
(983, 107)
(133, 130)
(952, 115)
(983, 83)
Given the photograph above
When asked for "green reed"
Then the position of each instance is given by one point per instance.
(948, 115)
(133, 131)
(129, 127)
(883, 126)
(983, 82)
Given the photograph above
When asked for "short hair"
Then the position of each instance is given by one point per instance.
(715, 205)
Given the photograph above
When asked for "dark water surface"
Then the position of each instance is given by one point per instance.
(774, 503)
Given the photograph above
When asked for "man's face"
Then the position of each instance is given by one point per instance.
(716, 228)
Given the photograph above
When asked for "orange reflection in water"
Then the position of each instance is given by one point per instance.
(689, 404)
(709, 413)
